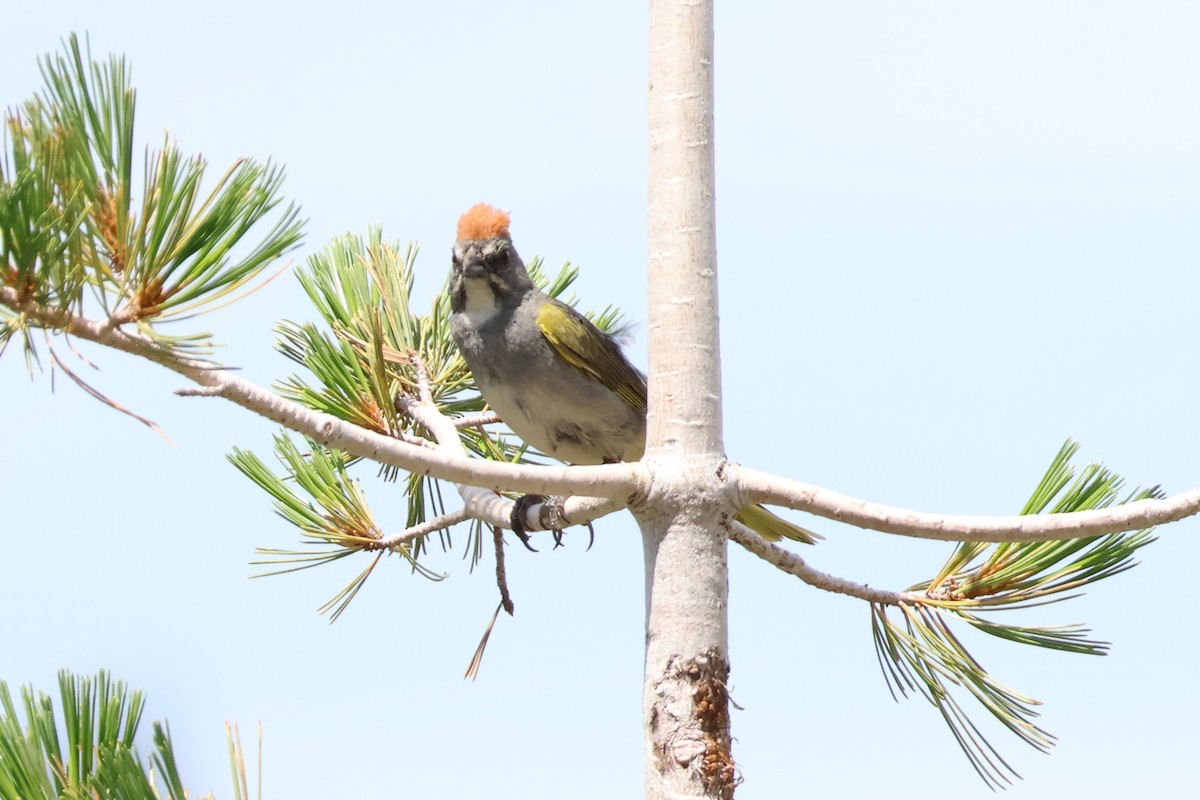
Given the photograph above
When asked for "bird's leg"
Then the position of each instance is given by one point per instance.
(552, 518)
(517, 518)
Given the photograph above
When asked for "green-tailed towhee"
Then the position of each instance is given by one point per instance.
(557, 381)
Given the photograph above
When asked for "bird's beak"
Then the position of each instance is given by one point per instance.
(472, 264)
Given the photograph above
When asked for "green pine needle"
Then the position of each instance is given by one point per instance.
(320, 498)
(365, 351)
(77, 226)
(86, 753)
(920, 653)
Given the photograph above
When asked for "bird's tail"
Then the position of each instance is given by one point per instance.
(772, 527)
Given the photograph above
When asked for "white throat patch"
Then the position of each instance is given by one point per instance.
(480, 305)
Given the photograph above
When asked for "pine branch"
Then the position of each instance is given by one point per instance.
(71, 228)
(376, 365)
(762, 487)
(787, 561)
(921, 653)
(91, 753)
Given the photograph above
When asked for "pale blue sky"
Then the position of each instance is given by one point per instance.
(950, 236)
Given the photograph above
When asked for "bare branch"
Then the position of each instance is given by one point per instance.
(597, 490)
(417, 531)
(765, 488)
(477, 420)
(501, 577)
(793, 564)
(423, 384)
(506, 603)
(486, 505)
(608, 480)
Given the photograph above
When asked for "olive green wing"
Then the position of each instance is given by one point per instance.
(587, 348)
(592, 351)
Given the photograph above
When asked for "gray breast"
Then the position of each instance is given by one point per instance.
(550, 404)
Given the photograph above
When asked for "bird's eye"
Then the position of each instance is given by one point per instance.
(497, 258)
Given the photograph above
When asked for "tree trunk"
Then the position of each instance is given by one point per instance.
(687, 742)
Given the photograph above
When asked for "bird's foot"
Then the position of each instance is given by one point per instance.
(517, 518)
(550, 517)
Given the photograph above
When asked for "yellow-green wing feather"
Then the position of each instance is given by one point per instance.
(585, 347)
(589, 349)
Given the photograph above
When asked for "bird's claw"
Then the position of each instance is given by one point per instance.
(517, 518)
(550, 517)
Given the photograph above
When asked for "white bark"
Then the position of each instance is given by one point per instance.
(687, 741)
(682, 492)
(600, 490)
(607, 481)
(765, 488)
(685, 370)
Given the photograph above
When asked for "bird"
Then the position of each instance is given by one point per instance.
(556, 380)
